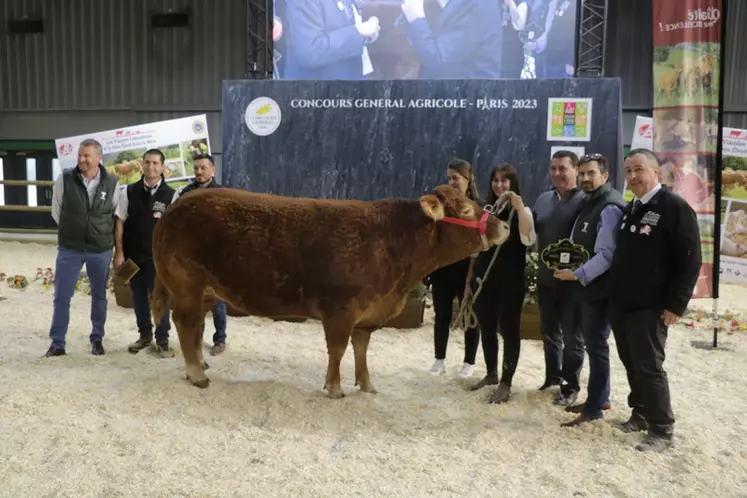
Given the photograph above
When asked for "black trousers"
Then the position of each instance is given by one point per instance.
(444, 291)
(562, 337)
(640, 336)
(499, 310)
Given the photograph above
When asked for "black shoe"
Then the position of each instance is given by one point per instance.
(97, 348)
(549, 383)
(636, 423)
(141, 343)
(655, 442)
(54, 351)
(565, 399)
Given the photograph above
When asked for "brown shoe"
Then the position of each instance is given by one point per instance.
(140, 344)
(581, 419)
(500, 395)
(580, 407)
(217, 349)
(490, 379)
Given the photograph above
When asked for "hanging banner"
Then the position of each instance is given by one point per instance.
(733, 256)
(687, 49)
(180, 140)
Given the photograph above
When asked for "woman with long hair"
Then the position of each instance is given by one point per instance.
(449, 282)
(498, 306)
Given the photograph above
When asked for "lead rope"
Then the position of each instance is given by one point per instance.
(467, 318)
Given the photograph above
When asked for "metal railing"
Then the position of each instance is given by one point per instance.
(26, 183)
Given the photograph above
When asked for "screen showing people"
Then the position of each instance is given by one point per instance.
(424, 39)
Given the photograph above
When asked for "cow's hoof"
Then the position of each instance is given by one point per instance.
(202, 384)
(205, 365)
(369, 390)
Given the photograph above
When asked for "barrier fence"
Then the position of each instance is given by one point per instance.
(26, 183)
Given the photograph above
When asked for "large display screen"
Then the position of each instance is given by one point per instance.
(424, 39)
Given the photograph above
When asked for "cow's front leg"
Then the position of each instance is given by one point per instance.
(337, 333)
(360, 341)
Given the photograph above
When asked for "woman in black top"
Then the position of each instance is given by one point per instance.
(449, 282)
(498, 307)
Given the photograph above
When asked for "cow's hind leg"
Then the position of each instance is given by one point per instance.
(337, 329)
(360, 341)
(188, 318)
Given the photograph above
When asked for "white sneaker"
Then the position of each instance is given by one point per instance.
(438, 368)
(467, 370)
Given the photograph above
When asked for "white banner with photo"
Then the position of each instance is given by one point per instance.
(733, 260)
(180, 140)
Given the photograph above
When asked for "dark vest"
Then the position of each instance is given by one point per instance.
(194, 186)
(585, 234)
(87, 226)
(507, 273)
(143, 212)
(553, 221)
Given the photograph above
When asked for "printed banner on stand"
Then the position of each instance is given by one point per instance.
(687, 49)
(733, 258)
(180, 140)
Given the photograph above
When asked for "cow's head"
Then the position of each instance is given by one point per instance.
(463, 218)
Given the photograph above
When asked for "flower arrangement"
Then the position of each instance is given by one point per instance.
(46, 275)
(17, 281)
(530, 275)
(729, 321)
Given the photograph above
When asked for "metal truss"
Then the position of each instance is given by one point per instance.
(259, 47)
(591, 37)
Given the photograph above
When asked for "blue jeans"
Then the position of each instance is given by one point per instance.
(595, 325)
(219, 320)
(66, 274)
(141, 286)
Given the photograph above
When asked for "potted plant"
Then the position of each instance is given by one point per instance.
(530, 318)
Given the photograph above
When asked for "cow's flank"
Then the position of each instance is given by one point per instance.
(349, 264)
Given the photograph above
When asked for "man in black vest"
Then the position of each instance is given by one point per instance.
(204, 169)
(554, 214)
(83, 202)
(141, 205)
(596, 230)
(652, 279)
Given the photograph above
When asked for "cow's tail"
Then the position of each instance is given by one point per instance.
(158, 300)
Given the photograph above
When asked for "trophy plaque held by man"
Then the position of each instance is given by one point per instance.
(564, 255)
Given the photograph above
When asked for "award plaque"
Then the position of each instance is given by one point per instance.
(564, 255)
(125, 272)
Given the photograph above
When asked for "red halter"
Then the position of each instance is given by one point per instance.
(482, 225)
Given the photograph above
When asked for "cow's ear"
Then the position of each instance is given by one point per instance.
(467, 211)
(432, 207)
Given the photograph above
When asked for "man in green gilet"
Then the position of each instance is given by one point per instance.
(596, 230)
(83, 202)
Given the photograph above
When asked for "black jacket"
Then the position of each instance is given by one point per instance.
(194, 185)
(658, 256)
(143, 212)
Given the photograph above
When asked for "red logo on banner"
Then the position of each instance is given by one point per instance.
(65, 149)
(646, 131)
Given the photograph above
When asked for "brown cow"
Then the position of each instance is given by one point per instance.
(349, 264)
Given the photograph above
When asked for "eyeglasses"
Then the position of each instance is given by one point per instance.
(590, 157)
